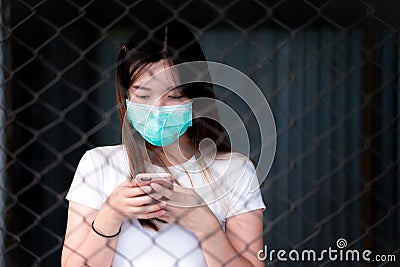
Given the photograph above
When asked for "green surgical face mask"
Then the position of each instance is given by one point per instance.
(160, 125)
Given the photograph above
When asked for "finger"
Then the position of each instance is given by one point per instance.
(125, 183)
(162, 190)
(156, 196)
(129, 183)
(169, 217)
(182, 189)
(148, 208)
(151, 215)
(137, 191)
(142, 200)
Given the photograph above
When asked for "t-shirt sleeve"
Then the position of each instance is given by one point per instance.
(246, 194)
(85, 187)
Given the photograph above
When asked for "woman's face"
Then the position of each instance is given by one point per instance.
(158, 91)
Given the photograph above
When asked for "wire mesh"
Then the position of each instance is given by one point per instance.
(329, 69)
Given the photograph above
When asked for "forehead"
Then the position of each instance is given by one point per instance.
(158, 74)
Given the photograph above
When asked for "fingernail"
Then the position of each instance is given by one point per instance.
(156, 195)
(146, 189)
(163, 204)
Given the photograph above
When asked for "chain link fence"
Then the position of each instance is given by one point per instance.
(330, 71)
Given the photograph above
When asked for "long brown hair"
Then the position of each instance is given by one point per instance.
(175, 43)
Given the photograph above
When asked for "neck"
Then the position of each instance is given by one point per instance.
(176, 153)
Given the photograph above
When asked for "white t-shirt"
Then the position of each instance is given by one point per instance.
(102, 169)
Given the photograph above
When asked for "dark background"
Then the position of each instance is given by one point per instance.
(330, 70)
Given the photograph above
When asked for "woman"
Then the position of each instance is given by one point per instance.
(114, 222)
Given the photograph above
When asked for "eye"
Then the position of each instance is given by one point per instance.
(142, 96)
(176, 96)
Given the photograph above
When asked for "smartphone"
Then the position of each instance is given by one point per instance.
(164, 179)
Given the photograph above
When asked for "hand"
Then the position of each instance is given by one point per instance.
(186, 208)
(129, 201)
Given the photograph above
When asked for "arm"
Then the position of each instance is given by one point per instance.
(245, 232)
(83, 247)
(237, 246)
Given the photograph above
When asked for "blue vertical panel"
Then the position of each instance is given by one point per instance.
(324, 124)
(309, 124)
(296, 137)
(354, 137)
(283, 127)
(238, 56)
(397, 153)
(237, 53)
(3, 157)
(264, 78)
(383, 188)
(386, 106)
(340, 91)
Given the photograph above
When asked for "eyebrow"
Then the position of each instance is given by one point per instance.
(141, 87)
(149, 89)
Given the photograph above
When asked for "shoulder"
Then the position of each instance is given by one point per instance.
(106, 150)
(233, 169)
(99, 171)
(237, 170)
(242, 184)
(105, 157)
(105, 164)
(232, 156)
(106, 153)
(234, 160)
